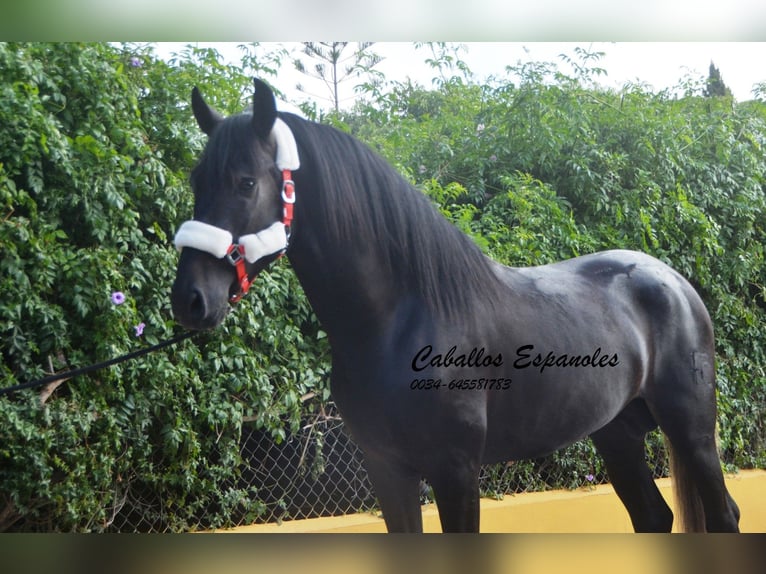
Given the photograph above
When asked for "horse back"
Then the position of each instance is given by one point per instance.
(583, 338)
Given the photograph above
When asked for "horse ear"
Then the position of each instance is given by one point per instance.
(207, 118)
(264, 108)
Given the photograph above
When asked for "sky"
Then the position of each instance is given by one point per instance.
(557, 20)
(661, 65)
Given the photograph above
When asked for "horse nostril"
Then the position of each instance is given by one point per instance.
(197, 306)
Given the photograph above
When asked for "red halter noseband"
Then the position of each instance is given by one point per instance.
(236, 252)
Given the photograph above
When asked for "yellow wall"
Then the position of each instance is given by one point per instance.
(593, 510)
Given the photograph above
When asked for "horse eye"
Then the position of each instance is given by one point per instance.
(246, 184)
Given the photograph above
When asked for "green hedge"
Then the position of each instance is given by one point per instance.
(96, 142)
(95, 148)
(541, 166)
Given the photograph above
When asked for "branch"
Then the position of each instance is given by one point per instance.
(48, 389)
(8, 516)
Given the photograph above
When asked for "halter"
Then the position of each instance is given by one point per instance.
(253, 246)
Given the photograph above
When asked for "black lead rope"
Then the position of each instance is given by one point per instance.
(81, 371)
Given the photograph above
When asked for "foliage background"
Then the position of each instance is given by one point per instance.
(96, 142)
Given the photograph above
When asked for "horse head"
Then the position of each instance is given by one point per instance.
(242, 195)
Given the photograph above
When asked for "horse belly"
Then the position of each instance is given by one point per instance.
(548, 411)
(576, 352)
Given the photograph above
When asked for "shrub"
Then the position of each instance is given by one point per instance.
(97, 142)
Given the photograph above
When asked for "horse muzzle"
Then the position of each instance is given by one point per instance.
(201, 292)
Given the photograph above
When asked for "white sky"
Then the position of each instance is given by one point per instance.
(659, 64)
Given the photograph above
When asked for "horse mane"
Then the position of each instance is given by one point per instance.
(364, 199)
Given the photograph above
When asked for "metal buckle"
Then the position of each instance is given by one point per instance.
(288, 198)
(235, 254)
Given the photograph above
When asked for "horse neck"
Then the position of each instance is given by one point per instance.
(368, 247)
(345, 284)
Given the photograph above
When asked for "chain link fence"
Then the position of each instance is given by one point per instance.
(319, 471)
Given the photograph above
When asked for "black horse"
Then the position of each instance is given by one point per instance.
(443, 360)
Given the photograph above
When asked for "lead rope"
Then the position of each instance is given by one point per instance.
(90, 368)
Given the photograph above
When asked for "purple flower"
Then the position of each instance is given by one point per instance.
(590, 477)
(140, 329)
(135, 62)
(118, 297)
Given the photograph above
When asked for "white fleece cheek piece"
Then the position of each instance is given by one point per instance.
(287, 149)
(266, 242)
(205, 237)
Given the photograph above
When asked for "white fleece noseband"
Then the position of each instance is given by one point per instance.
(253, 246)
(217, 241)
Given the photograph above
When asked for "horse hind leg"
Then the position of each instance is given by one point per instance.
(621, 445)
(704, 504)
(683, 403)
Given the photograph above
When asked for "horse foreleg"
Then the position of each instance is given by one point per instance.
(456, 489)
(398, 493)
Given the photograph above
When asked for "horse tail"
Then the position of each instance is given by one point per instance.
(688, 504)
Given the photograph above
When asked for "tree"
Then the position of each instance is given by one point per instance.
(445, 59)
(333, 67)
(715, 87)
